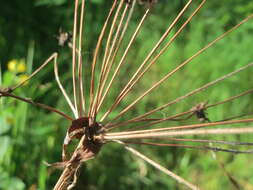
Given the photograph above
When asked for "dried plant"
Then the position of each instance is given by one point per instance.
(94, 128)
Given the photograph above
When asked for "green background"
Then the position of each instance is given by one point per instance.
(29, 135)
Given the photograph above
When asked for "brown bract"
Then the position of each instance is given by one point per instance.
(86, 130)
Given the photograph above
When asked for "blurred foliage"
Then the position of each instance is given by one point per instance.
(29, 136)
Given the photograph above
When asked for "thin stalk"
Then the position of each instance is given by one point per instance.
(152, 121)
(193, 126)
(186, 95)
(226, 131)
(108, 43)
(139, 75)
(74, 53)
(107, 69)
(233, 143)
(119, 41)
(191, 112)
(124, 56)
(231, 98)
(211, 148)
(155, 120)
(158, 166)
(62, 89)
(107, 53)
(30, 101)
(34, 73)
(179, 67)
(95, 57)
(232, 180)
(80, 64)
(237, 116)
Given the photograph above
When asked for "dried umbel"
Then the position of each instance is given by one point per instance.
(84, 127)
(93, 130)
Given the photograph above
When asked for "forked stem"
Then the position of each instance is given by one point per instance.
(28, 100)
(61, 87)
(34, 73)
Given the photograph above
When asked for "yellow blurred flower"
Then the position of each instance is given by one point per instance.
(22, 78)
(21, 67)
(17, 65)
(12, 64)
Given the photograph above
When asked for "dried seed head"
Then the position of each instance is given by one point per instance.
(83, 126)
(200, 112)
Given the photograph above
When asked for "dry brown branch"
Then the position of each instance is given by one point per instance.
(226, 131)
(30, 101)
(62, 89)
(84, 151)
